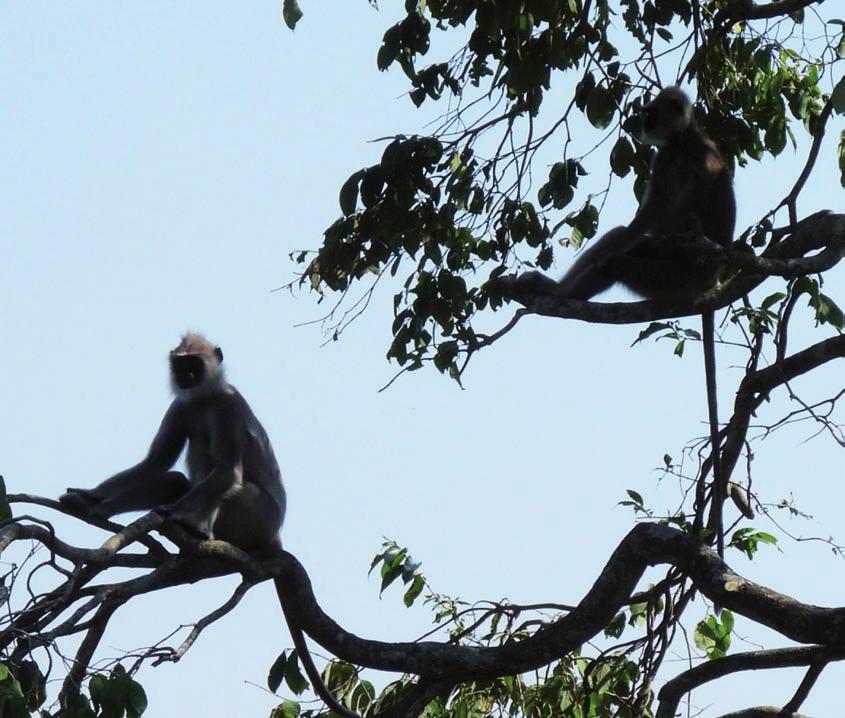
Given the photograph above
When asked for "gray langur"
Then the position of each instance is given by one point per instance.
(689, 192)
(233, 491)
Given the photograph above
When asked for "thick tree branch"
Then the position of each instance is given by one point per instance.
(763, 712)
(646, 545)
(440, 665)
(672, 692)
(749, 10)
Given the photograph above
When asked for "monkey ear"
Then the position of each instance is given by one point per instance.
(218, 352)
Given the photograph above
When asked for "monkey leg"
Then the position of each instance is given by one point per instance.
(128, 494)
(587, 276)
(249, 519)
(79, 501)
(662, 268)
(197, 510)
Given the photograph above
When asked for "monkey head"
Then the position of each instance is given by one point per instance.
(667, 115)
(195, 365)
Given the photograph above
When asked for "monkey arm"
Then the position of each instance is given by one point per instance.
(132, 488)
(162, 454)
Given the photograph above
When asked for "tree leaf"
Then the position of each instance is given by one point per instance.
(416, 588)
(291, 12)
(837, 99)
(348, 195)
(276, 674)
(293, 676)
(136, 700)
(286, 709)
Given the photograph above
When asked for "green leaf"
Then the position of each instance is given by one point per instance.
(416, 588)
(95, 688)
(837, 99)
(652, 328)
(600, 108)
(78, 706)
(293, 676)
(276, 674)
(136, 700)
(622, 157)
(286, 709)
(827, 311)
(112, 699)
(615, 628)
(635, 496)
(291, 12)
(772, 299)
(714, 637)
(348, 195)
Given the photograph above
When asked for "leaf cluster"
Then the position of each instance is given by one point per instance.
(448, 213)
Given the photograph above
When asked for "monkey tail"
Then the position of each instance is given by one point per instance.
(708, 332)
(307, 662)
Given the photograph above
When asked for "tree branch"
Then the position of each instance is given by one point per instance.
(749, 10)
(440, 666)
(645, 545)
(672, 692)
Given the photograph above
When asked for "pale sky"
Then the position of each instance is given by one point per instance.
(158, 162)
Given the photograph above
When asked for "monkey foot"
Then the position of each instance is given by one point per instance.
(189, 525)
(79, 501)
(524, 288)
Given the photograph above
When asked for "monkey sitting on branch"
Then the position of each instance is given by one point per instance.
(689, 192)
(233, 491)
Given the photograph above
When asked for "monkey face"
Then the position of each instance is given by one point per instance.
(665, 116)
(189, 370)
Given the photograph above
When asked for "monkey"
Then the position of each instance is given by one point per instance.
(689, 192)
(233, 491)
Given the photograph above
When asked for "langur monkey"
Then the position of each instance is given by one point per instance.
(689, 191)
(233, 491)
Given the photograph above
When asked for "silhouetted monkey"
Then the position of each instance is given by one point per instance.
(233, 491)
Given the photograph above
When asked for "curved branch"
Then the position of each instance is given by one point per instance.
(441, 665)
(146, 540)
(672, 692)
(763, 712)
(749, 10)
(818, 136)
(756, 387)
(16, 531)
(176, 655)
(645, 545)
